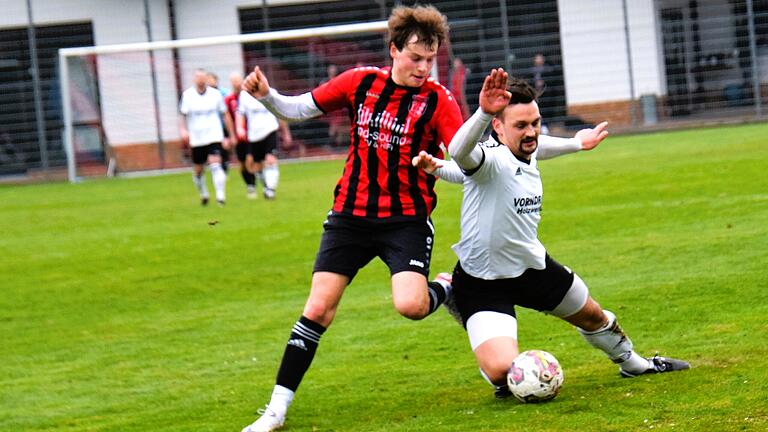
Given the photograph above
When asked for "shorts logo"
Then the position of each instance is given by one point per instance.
(416, 263)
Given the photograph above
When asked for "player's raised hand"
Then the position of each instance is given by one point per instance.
(256, 83)
(591, 137)
(427, 162)
(494, 96)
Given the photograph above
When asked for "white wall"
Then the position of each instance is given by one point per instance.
(124, 79)
(594, 50)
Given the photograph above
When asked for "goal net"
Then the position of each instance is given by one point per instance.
(121, 102)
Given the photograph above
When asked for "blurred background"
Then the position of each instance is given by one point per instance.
(641, 65)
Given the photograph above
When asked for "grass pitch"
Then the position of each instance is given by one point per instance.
(124, 309)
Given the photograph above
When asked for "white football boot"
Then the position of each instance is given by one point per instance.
(268, 422)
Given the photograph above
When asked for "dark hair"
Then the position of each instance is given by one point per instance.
(426, 22)
(522, 92)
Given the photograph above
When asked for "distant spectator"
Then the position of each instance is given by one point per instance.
(458, 85)
(547, 78)
(338, 121)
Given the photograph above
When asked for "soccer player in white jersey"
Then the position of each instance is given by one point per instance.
(258, 128)
(201, 107)
(502, 263)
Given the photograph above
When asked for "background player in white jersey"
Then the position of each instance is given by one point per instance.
(258, 128)
(502, 263)
(201, 107)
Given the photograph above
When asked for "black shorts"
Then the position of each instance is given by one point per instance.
(260, 149)
(349, 243)
(200, 153)
(242, 149)
(541, 290)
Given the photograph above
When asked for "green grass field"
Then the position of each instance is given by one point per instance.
(122, 309)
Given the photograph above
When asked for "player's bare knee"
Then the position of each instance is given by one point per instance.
(320, 312)
(411, 309)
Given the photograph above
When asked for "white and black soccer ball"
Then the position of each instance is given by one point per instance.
(535, 376)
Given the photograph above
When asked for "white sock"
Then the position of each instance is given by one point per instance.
(219, 181)
(281, 400)
(616, 345)
(199, 182)
(636, 364)
(259, 177)
(271, 177)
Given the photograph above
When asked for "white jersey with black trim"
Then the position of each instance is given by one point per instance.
(203, 113)
(500, 215)
(260, 121)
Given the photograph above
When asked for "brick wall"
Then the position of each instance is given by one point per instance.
(135, 157)
(617, 113)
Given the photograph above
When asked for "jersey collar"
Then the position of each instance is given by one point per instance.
(520, 161)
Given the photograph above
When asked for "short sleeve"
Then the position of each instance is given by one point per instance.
(220, 105)
(241, 102)
(334, 94)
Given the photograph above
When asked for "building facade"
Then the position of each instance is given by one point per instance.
(635, 63)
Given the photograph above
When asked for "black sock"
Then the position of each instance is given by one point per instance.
(299, 352)
(437, 295)
(248, 177)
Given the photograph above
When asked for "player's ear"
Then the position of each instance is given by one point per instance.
(498, 126)
(392, 50)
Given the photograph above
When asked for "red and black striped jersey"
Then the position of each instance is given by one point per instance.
(231, 101)
(390, 124)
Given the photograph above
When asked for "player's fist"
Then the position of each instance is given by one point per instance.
(427, 162)
(256, 83)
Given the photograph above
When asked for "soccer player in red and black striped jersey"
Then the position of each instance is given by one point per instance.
(382, 203)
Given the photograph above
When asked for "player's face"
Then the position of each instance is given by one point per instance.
(236, 80)
(412, 64)
(212, 81)
(519, 128)
(200, 80)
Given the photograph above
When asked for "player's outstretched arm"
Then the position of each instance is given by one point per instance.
(447, 170)
(585, 139)
(288, 108)
(494, 97)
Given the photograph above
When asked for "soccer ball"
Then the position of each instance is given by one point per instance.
(535, 376)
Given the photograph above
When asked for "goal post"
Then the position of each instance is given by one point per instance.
(107, 90)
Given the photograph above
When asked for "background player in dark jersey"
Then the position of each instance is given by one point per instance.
(247, 166)
(382, 203)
